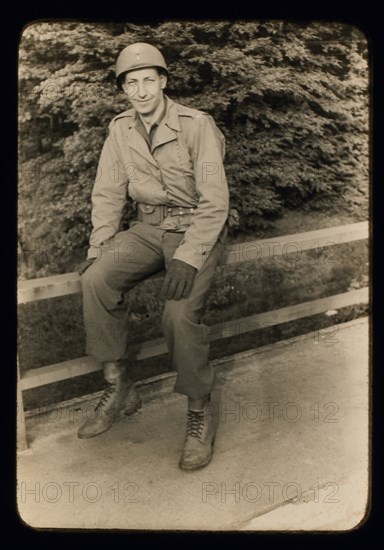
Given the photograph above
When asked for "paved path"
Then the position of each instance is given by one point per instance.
(291, 450)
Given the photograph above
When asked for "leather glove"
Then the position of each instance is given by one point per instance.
(233, 218)
(82, 268)
(178, 280)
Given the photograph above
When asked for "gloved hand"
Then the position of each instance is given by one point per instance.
(233, 218)
(178, 280)
(82, 268)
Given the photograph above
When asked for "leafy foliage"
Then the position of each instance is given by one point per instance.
(290, 98)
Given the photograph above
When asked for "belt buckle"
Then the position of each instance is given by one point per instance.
(146, 208)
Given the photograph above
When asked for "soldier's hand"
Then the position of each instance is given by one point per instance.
(178, 280)
(82, 268)
(233, 218)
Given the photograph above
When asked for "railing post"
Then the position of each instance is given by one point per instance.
(22, 443)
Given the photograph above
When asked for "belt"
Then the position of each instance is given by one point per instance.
(154, 214)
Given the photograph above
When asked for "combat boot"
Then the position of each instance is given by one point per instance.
(199, 439)
(119, 399)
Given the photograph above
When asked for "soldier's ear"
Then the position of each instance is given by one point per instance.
(163, 81)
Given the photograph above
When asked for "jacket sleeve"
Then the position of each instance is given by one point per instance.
(108, 196)
(212, 187)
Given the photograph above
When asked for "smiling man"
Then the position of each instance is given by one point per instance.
(145, 87)
(168, 160)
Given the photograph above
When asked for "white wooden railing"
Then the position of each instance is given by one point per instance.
(69, 283)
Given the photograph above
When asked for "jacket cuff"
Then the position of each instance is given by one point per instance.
(194, 259)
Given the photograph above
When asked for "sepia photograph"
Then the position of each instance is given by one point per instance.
(193, 276)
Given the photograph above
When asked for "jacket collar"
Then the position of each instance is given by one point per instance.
(170, 117)
(165, 132)
(168, 126)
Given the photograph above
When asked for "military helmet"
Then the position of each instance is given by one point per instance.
(138, 56)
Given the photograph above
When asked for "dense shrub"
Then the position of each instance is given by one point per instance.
(290, 98)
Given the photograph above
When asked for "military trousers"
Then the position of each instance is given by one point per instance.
(130, 257)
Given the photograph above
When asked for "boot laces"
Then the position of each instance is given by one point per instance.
(111, 386)
(195, 423)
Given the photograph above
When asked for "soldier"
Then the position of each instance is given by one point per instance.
(167, 159)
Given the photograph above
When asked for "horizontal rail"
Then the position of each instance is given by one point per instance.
(85, 365)
(69, 283)
(295, 243)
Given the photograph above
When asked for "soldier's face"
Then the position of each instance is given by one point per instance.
(144, 88)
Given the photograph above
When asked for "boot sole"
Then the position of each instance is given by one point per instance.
(122, 414)
(89, 436)
(186, 467)
(128, 412)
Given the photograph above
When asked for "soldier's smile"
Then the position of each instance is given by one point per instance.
(144, 87)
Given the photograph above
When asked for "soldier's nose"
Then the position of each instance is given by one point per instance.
(142, 91)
